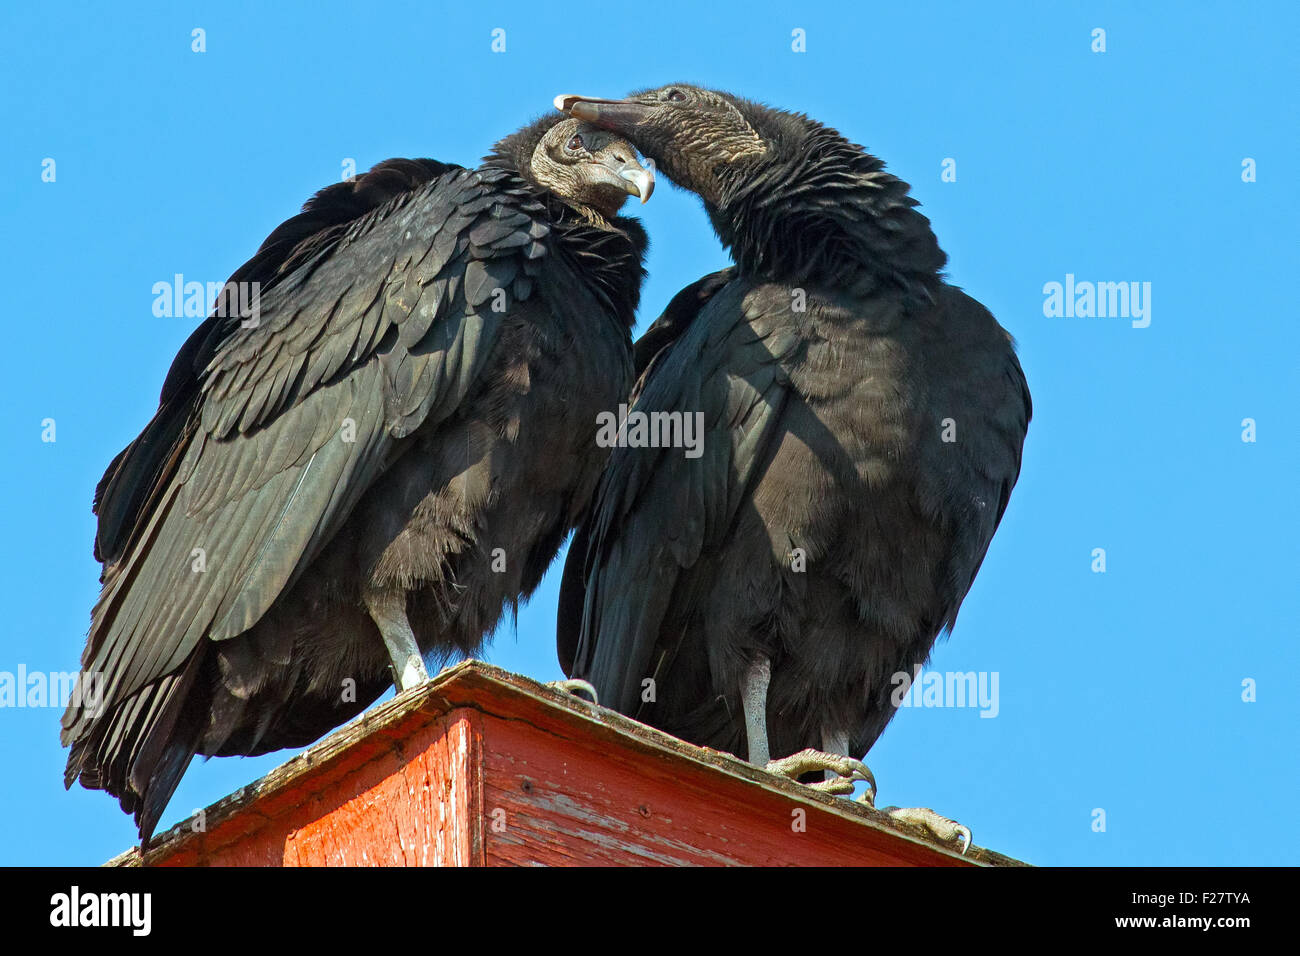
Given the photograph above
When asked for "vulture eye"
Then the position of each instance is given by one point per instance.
(575, 142)
(676, 96)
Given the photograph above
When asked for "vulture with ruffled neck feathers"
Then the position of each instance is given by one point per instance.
(370, 468)
(863, 422)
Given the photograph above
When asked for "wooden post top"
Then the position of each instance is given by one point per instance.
(483, 767)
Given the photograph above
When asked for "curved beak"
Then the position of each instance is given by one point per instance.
(640, 181)
(628, 175)
(617, 115)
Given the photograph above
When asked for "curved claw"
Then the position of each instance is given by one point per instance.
(940, 827)
(572, 687)
(849, 771)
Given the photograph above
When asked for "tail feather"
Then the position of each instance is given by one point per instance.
(139, 750)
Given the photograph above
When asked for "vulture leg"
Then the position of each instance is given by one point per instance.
(572, 687)
(838, 743)
(388, 611)
(753, 697)
(842, 772)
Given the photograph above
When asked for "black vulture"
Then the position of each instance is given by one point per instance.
(371, 467)
(863, 423)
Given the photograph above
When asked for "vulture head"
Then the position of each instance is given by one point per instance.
(789, 196)
(589, 168)
(701, 139)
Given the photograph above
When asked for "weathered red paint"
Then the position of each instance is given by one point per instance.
(485, 768)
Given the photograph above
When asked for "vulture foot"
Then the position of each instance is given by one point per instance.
(842, 773)
(573, 687)
(940, 827)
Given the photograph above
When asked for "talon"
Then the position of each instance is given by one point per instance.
(847, 770)
(572, 687)
(940, 827)
(835, 786)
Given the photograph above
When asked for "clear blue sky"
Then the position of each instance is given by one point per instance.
(1120, 691)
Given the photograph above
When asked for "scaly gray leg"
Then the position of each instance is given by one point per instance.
(842, 772)
(753, 697)
(837, 743)
(388, 611)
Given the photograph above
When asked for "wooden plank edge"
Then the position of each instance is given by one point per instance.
(463, 685)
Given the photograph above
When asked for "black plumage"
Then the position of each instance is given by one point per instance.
(399, 443)
(828, 532)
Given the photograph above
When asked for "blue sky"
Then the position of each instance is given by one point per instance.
(1120, 691)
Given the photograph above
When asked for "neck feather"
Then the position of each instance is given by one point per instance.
(818, 208)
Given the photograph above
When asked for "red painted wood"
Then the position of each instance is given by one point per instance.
(388, 803)
(582, 802)
(485, 768)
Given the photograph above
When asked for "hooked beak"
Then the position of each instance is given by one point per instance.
(616, 115)
(629, 176)
(640, 181)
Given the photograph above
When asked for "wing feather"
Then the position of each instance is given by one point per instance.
(265, 471)
(720, 363)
